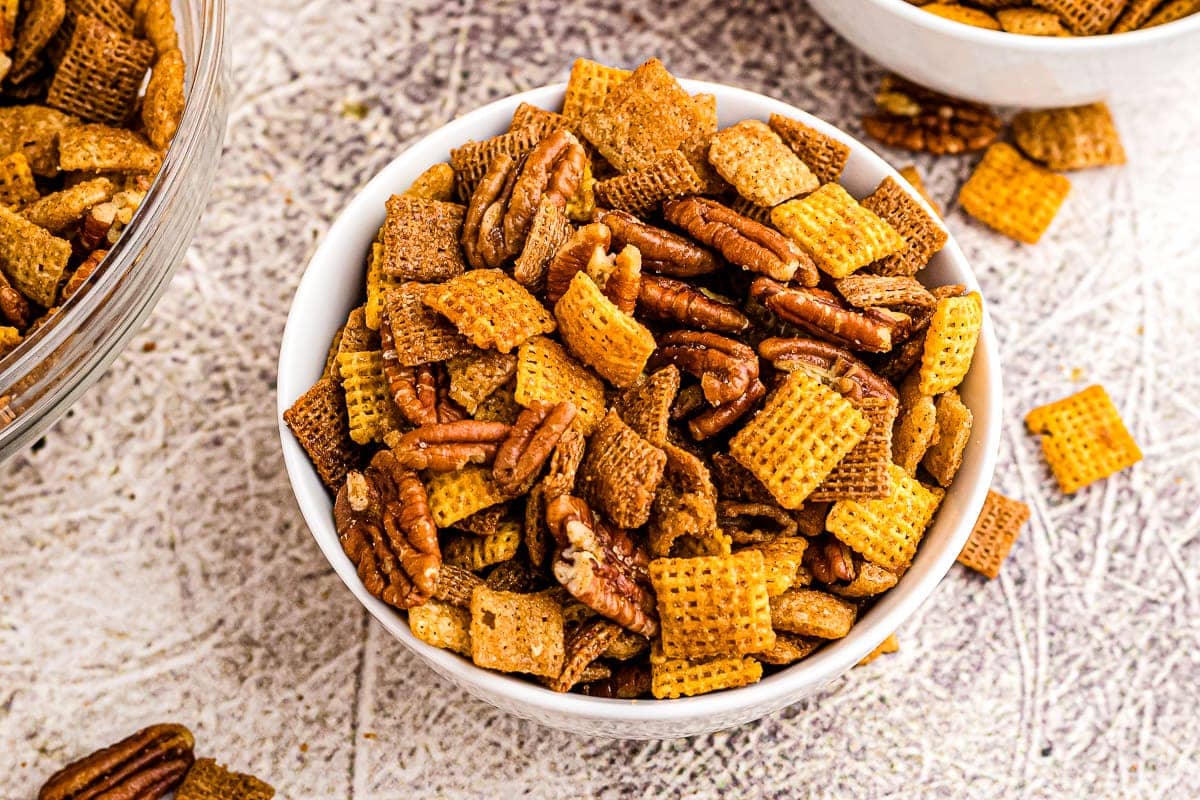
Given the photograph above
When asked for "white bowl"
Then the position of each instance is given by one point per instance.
(331, 286)
(1008, 69)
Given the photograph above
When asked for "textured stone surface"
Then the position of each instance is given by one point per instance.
(153, 564)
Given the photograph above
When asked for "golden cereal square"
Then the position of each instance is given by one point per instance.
(490, 309)
(945, 456)
(798, 437)
(31, 258)
(865, 471)
(642, 190)
(1013, 195)
(758, 164)
(810, 612)
(695, 148)
(713, 605)
(994, 534)
(378, 285)
(547, 373)
(964, 14)
(1083, 438)
(839, 233)
(454, 496)
(589, 86)
(17, 186)
(442, 625)
(435, 183)
(100, 73)
(208, 780)
(886, 531)
(420, 336)
(100, 148)
(1031, 22)
(950, 343)
(644, 117)
(1085, 17)
(370, 410)
(620, 473)
(601, 335)
(1069, 138)
(420, 240)
(824, 155)
(514, 632)
(319, 422)
(479, 552)
(681, 677)
(924, 234)
(474, 376)
(782, 557)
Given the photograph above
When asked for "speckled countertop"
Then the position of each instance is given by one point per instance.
(153, 564)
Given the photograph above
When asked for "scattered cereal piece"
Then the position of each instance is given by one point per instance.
(162, 107)
(994, 534)
(824, 155)
(420, 335)
(944, 457)
(924, 234)
(475, 375)
(491, 309)
(1085, 17)
(17, 186)
(100, 148)
(319, 422)
(642, 190)
(1083, 438)
(886, 531)
(589, 86)
(1013, 195)
(889, 645)
(57, 211)
(840, 234)
(514, 632)
(420, 240)
(100, 73)
(32, 258)
(758, 164)
(1031, 22)
(620, 473)
(601, 335)
(369, 407)
(208, 780)
(950, 343)
(1069, 138)
(442, 625)
(679, 677)
(435, 183)
(810, 612)
(963, 14)
(546, 373)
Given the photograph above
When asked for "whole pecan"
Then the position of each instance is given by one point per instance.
(830, 561)
(530, 442)
(145, 766)
(448, 446)
(710, 422)
(669, 299)
(574, 256)
(822, 314)
(751, 523)
(601, 566)
(725, 367)
(662, 251)
(552, 170)
(385, 526)
(916, 118)
(483, 225)
(421, 393)
(13, 305)
(741, 240)
(836, 366)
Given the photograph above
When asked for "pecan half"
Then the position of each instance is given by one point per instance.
(624, 282)
(483, 225)
(584, 244)
(552, 170)
(835, 366)
(13, 305)
(725, 367)
(830, 561)
(529, 443)
(448, 446)
(84, 271)
(741, 240)
(601, 566)
(752, 523)
(822, 314)
(628, 681)
(145, 766)
(710, 422)
(385, 526)
(916, 118)
(664, 252)
(669, 299)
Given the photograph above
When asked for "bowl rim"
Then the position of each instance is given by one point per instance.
(1040, 44)
(792, 682)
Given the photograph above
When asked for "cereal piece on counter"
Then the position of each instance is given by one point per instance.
(1085, 17)
(100, 148)
(435, 183)
(470, 161)
(17, 186)
(646, 405)
(442, 625)
(836, 231)
(642, 190)
(798, 437)
(995, 531)
(680, 677)
(34, 130)
(916, 427)
(889, 645)
(713, 605)
(1083, 438)
(208, 780)
(319, 422)
(478, 552)
(911, 175)
(865, 471)
(758, 164)
(789, 648)
(644, 117)
(32, 258)
(950, 343)
(100, 73)
(1031, 22)
(420, 335)
(59, 210)
(420, 240)
(1013, 195)
(549, 230)
(491, 309)
(162, 107)
(514, 632)
(824, 155)
(605, 338)
(589, 86)
(41, 19)
(810, 612)
(782, 557)
(963, 14)
(886, 531)
(369, 407)
(870, 580)
(944, 457)
(1069, 138)
(476, 375)
(924, 234)
(459, 494)
(620, 473)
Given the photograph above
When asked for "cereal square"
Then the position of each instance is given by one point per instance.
(865, 471)
(420, 336)
(964, 14)
(782, 557)
(34, 131)
(916, 427)
(442, 625)
(32, 259)
(420, 240)
(1069, 138)
(994, 534)
(681, 677)
(601, 335)
(320, 424)
(370, 410)
(924, 234)
(1085, 17)
(620, 473)
(824, 155)
(514, 632)
(836, 231)
(100, 73)
(471, 160)
(646, 405)
(589, 86)
(1083, 438)
(950, 343)
(758, 164)
(1031, 22)
(475, 375)
(642, 190)
(886, 531)
(1013, 195)
(944, 457)
(490, 308)
(457, 495)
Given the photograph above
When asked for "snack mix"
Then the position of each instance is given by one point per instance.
(80, 141)
(636, 405)
(1063, 17)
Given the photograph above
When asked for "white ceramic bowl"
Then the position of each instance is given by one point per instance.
(1002, 68)
(331, 286)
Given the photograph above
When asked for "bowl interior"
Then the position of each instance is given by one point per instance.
(331, 287)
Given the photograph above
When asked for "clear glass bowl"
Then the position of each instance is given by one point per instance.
(41, 378)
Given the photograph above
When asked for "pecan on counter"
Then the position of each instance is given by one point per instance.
(448, 446)
(824, 315)
(835, 366)
(669, 299)
(663, 251)
(916, 118)
(601, 566)
(145, 766)
(529, 444)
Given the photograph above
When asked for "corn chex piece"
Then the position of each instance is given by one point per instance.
(478, 552)
(916, 427)
(789, 648)
(319, 422)
(886, 531)
(994, 534)
(681, 677)
(810, 612)
(548, 232)
(514, 632)
(642, 190)
(911, 175)
(454, 496)
(944, 457)
(950, 343)
(442, 625)
(824, 155)
(924, 234)
(758, 164)
(865, 471)
(101, 148)
(474, 376)
(1031, 22)
(889, 645)
(601, 335)
(34, 130)
(369, 406)
(162, 106)
(420, 240)
(100, 73)
(963, 14)
(620, 473)
(471, 160)
(377, 286)
(527, 114)
(17, 186)
(837, 232)
(1070, 138)
(782, 557)
(798, 437)
(589, 86)
(208, 780)
(420, 335)
(1085, 17)
(546, 373)
(1172, 11)
(1083, 438)
(713, 605)
(31, 258)
(646, 406)
(56, 211)
(435, 183)
(1013, 195)
(491, 309)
